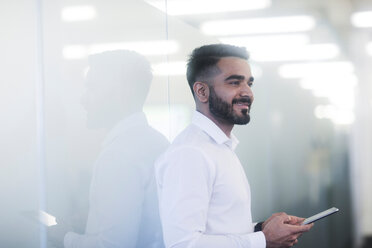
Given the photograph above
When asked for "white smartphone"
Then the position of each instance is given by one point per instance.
(320, 215)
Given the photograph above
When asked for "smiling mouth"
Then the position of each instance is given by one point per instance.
(243, 103)
(243, 108)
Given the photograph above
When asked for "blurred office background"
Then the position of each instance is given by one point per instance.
(307, 148)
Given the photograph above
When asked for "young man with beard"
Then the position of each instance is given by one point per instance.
(204, 195)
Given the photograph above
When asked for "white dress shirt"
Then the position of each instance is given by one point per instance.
(123, 203)
(204, 195)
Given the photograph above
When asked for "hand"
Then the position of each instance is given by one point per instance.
(282, 230)
(294, 220)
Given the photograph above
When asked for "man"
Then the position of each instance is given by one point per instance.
(204, 196)
(122, 202)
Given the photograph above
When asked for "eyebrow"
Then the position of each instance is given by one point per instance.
(239, 77)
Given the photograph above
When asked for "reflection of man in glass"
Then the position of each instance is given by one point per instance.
(123, 207)
(204, 195)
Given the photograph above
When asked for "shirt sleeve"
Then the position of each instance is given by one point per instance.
(185, 183)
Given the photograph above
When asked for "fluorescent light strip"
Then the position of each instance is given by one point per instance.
(147, 48)
(193, 7)
(159, 47)
(329, 82)
(336, 115)
(266, 41)
(284, 47)
(305, 53)
(78, 13)
(320, 69)
(362, 19)
(338, 89)
(284, 24)
(335, 81)
(178, 68)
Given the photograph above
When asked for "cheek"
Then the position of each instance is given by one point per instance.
(225, 95)
(230, 98)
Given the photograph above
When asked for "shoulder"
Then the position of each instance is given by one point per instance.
(187, 153)
(190, 143)
(192, 136)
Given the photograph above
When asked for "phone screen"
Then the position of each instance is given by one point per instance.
(320, 215)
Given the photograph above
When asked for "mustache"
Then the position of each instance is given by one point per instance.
(243, 99)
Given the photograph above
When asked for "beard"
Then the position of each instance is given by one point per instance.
(224, 111)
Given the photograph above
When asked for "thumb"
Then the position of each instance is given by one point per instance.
(301, 228)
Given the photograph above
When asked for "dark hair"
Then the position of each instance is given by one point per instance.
(202, 62)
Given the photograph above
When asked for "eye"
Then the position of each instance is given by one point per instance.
(235, 82)
(250, 81)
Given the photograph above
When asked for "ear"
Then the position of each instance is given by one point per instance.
(201, 91)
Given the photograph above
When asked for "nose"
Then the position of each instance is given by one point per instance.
(246, 91)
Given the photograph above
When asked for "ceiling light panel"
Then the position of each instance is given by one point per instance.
(304, 53)
(178, 68)
(286, 24)
(156, 47)
(319, 69)
(147, 48)
(193, 7)
(362, 19)
(289, 47)
(265, 41)
(337, 115)
(78, 13)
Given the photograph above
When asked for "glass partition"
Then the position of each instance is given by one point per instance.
(92, 92)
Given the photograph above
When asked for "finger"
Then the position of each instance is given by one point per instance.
(273, 216)
(310, 225)
(280, 214)
(283, 217)
(292, 238)
(299, 229)
(287, 244)
(294, 242)
(296, 219)
(288, 219)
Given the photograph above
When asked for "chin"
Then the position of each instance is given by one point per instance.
(242, 120)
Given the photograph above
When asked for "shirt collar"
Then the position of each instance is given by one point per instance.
(208, 126)
(122, 126)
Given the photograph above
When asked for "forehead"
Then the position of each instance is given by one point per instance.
(234, 65)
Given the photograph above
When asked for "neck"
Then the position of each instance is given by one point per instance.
(223, 125)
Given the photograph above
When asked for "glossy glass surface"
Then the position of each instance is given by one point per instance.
(79, 79)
